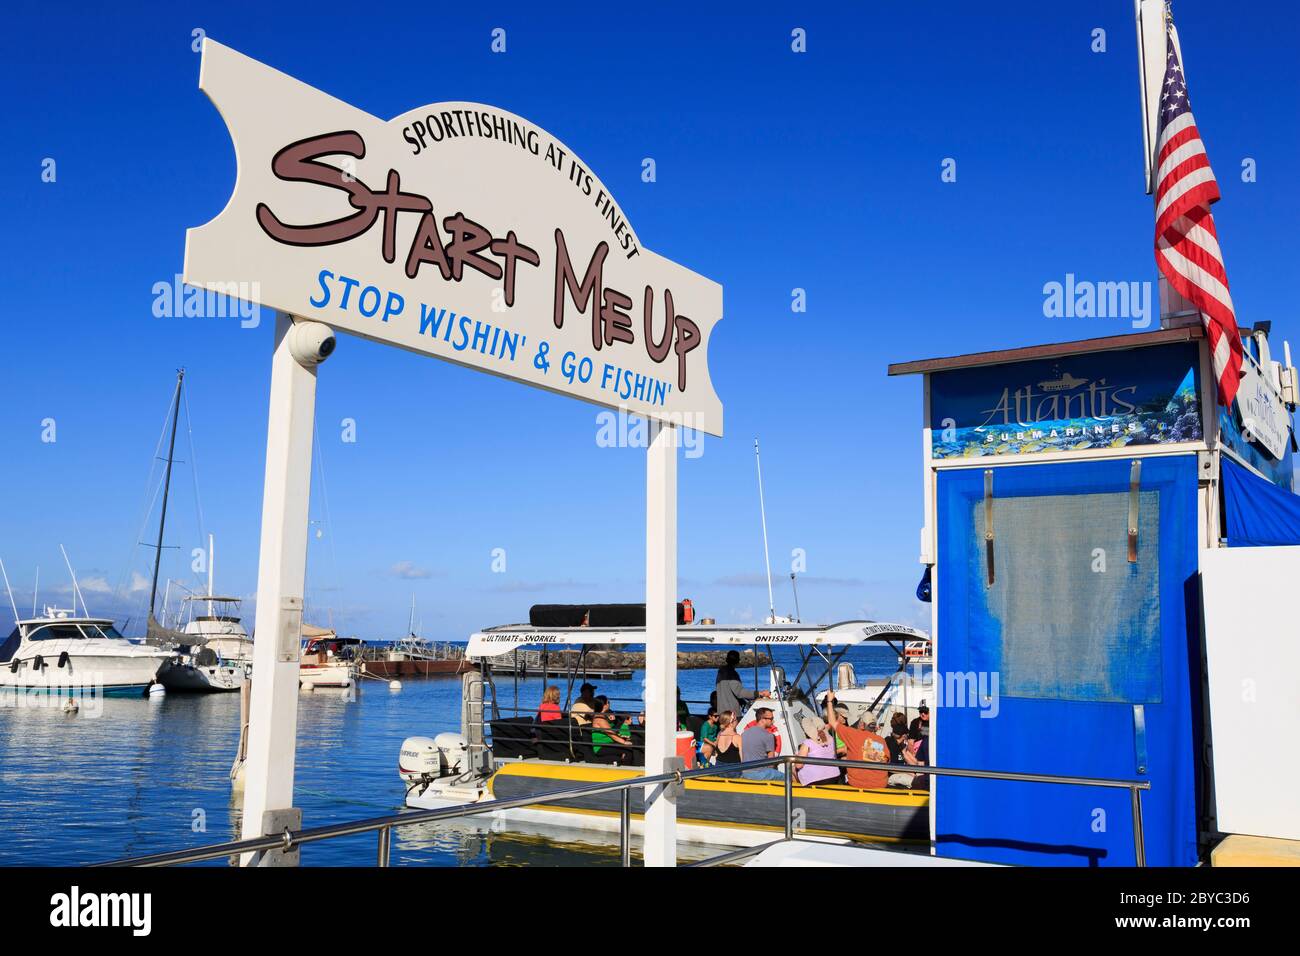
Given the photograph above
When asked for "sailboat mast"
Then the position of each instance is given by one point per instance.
(212, 559)
(767, 561)
(167, 487)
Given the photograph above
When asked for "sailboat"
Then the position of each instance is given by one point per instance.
(222, 652)
(197, 663)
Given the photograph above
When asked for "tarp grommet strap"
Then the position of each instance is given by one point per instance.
(988, 524)
(1134, 490)
(1140, 737)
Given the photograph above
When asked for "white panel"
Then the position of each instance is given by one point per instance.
(1253, 649)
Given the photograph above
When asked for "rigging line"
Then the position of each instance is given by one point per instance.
(149, 500)
(325, 503)
(194, 471)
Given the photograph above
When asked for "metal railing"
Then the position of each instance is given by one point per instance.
(288, 840)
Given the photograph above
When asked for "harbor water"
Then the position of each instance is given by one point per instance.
(128, 777)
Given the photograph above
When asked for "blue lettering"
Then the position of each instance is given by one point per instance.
(348, 285)
(462, 334)
(390, 311)
(324, 289)
(361, 301)
(509, 342)
(430, 317)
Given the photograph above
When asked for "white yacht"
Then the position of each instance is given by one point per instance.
(63, 653)
(221, 652)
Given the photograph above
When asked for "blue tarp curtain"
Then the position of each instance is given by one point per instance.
(1079, 659)
(1259, 513)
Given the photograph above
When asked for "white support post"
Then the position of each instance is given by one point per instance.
(661, 640)
(281, 579)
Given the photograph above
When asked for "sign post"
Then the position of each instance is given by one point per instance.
(281, 581)
(464, 232)
(661, 640)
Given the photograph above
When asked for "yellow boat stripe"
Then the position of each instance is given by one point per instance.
(585, 773)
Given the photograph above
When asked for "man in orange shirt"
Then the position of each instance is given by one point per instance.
(859, 745)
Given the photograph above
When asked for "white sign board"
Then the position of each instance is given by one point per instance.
(1264, 418)
(457, 230)
(1252, 650)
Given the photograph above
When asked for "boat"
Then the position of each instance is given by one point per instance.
(74, 655)
(327, 660)
(219, 653)
(414, 657)
(216, 652)
(497, 758)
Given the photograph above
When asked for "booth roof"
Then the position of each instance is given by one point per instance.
(494, 641)
(1132, 340)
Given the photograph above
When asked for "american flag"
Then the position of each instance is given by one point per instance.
(1187, 245)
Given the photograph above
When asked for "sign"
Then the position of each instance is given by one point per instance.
(456, 230)
(1264, 419)
(1257, 428)
(1099, 400)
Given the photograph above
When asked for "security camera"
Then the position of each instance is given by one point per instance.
(310, 343)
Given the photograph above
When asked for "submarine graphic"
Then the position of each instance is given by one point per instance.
(1063, 384)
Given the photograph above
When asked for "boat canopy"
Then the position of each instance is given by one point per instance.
(494, 641)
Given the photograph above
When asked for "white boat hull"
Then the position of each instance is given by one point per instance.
(326, 675)
(87, 669)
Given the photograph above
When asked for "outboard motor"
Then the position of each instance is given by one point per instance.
(419, 760)
(845, 679)
(422, 759)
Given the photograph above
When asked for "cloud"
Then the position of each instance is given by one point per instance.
(409, 571)
(138, 583)
(95, 584)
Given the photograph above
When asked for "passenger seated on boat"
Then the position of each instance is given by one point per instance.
(728, 742)
(757, 743)
(860, 745)
(585, 705)
(897, 740)
(606, 745)
(918, 755)
(899, 750)
(920, 724)
(819, 743)
(550, 708)
(708, 736)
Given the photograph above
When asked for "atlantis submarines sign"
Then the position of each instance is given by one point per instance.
(457, 230)
(1146, 396)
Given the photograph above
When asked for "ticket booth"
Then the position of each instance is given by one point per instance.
(1070, 491)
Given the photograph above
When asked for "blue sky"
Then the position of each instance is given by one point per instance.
(775, 171)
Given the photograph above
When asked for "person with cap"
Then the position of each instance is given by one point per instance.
(731, 692)
(818, 743)
(921, 723)
(758, 743)
(858, 745)
(585, 705)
